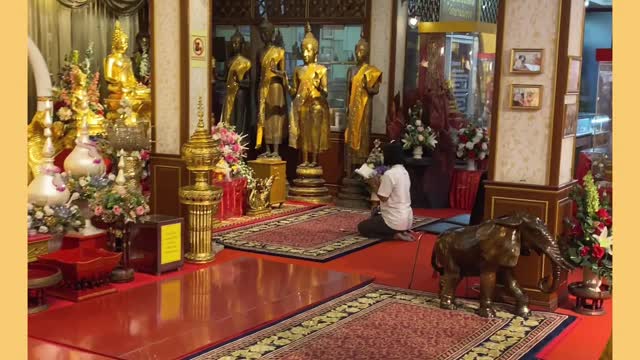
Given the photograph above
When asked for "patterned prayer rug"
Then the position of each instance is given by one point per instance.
(321, 234)
(379, 322)
(286, 209)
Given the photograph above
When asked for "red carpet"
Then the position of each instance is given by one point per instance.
(392, 263)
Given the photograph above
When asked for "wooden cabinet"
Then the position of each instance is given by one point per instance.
(276, 168)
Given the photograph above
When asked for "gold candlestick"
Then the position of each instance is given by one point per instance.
(200, 153)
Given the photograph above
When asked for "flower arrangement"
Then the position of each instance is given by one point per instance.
(62, 109)
(119, 204)
(472, 142)
(589, 240)
(54, 219)
(231, 144)
(375, 160)
(87, 186)
(241, 169)
(416, 133)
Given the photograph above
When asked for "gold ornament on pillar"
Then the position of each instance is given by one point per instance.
(47, 188)
(200, 153)
(364, 80)
(127, 98)
(309, 128)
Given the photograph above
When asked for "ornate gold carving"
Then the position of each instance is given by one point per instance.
(200, 153)
(259, 197)
(36, 249)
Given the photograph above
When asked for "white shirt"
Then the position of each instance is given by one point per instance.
(395, 185)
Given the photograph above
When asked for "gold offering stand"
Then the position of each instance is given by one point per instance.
(309, 186)
(200, 153)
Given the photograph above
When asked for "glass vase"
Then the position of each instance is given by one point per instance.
(591, 280)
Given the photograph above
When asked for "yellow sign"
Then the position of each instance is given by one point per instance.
(170, 243)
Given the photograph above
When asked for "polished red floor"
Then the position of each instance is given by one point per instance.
(177, 316)
(394, 263)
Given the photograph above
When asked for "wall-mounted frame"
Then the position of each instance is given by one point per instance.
(526, 61)
(573, 74)
(525, 97)
(570, 115)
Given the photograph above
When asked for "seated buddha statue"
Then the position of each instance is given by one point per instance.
(122, 83)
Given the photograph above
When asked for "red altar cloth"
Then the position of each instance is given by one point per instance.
(232, 204)
(464, 188)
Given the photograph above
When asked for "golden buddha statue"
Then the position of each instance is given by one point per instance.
(122, 83)
(36, 139)
(271, 95)
(234, 109)
(309, 128)
(80, 104)
(364, 82)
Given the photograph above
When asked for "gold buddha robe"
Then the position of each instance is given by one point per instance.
(356, 136)
(271, 100)
(230, 109)
(309, 128)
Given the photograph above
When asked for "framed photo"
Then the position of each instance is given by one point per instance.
(573, 74)
(570, 121)
(526, 61)
(525, 97)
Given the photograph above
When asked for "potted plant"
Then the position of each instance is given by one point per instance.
(472, 144)
(55, 220)
(589, 240)
(417, 135)
(119, 207)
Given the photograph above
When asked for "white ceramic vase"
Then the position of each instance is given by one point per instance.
(471, 165)
(591, 280)
(417, 152)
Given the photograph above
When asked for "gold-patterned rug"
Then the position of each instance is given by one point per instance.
(379, 322)
(321, 234)
(286, 209)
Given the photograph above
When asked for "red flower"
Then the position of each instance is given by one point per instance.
(599, 228)
(576, 230)
(471, 154)
(463, 139)
(598, 252)
(604, 216)
(584, 251)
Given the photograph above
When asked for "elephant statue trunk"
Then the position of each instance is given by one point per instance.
(558, 263)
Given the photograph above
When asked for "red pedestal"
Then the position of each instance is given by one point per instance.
(37, 245)
(76, 240)
(232, 198)
(464, 188)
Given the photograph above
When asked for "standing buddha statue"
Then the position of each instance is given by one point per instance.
(309, 128)
(122, 83)
(234, 109)
(271, 95)
(364, 82)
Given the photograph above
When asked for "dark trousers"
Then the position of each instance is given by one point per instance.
(375, 228)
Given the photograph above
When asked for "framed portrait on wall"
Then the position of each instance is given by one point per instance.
(573, 74)
(525, 97)
(570, 115)
(526, 61)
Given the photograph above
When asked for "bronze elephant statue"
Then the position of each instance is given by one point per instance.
(491, 250)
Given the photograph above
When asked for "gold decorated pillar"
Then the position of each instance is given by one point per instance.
(202, 199)
(532, 150)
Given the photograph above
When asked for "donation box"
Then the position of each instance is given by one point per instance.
(156, 245)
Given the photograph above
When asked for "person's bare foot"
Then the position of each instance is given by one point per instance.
(405, 236)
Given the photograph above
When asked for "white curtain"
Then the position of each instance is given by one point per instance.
(57, 30)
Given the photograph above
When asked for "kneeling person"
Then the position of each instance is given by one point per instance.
(394, 217)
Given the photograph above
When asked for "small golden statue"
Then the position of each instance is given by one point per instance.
(259, 197)
(364, 82)
(271, 94)
(309, 128)
(35, 141)
(123, 85)
(235, 108)
(80, 104)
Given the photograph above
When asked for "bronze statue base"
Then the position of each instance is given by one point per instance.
(353, 194)
(309, 186)
(122, 275)
(201, 258)
(252, 212)
(589, 302)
